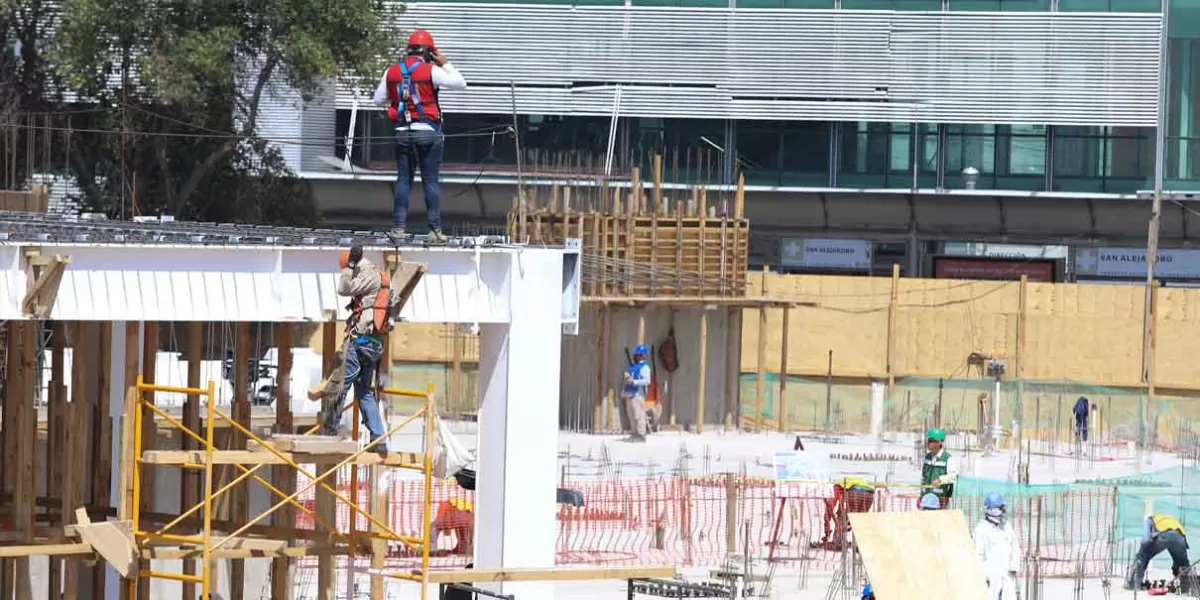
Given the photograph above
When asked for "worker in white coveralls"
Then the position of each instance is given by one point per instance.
(998, 549)
(633, 394)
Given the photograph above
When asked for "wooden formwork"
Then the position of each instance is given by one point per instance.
(643, 244)
(70, 450)
(34, 200)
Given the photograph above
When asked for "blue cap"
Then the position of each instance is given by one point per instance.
(930, 501)
(993, 500)
(641, 349)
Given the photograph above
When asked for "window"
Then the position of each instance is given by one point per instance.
(914, 5)
(693, 150)
(1182, 151)
(881, 155)
(1009, 157)
(1102, 159)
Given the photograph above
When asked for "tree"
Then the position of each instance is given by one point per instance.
(186, 82)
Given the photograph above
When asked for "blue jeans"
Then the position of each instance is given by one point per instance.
(418, 148)
(362, 359)
(1171, 541)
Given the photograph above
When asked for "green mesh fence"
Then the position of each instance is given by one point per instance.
(1044, 408)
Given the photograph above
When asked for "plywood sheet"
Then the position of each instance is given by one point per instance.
(919, 555)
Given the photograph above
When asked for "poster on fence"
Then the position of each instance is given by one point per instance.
(793, 466)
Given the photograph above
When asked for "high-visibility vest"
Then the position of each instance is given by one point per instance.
(1167, 523)
(935, 467)
(850, 483)
(413, 96)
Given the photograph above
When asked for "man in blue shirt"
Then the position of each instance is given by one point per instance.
(633, 394)
(1081, 418)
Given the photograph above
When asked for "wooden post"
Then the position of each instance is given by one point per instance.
(658, 181)
(379, 510)
(24, 387)
(703, 370)
(733, 363)
(636, 198)
(609, 375)
(379, 496)
(760, 386)
(731, 514)
(191, 481)
(641, 335)
(456, 401)
(1022, 316)
(149, 433)
(781, 405)
(239, 496)
(129, 587)
(282, 573)
(100, 375)
(891, 327)
(325, 505)
(1152, 367)
(601, 358)
(77, 448)
(55, 438)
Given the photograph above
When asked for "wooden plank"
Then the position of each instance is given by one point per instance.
(240, 495)
(75, 449)
(946, 561)
(283, 570)
(102, 436)
(25, 384)
(55, 439)
(325, 505)
(149, 434)
(550, 574)
(129, 588)
(760, 384)
(8, 443)
(258, 457)
(307, 444)
(703, 371)
(781, 403)
(191, 481)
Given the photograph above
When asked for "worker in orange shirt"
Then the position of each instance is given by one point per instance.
(457, 516)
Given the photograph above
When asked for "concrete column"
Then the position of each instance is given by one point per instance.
(518, 425)
(878, 387)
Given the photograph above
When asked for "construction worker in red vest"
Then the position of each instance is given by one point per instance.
(409, 90)
(457, 516)
(369, 289)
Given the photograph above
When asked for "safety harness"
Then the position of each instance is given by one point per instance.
(381, 307)
(406, 91)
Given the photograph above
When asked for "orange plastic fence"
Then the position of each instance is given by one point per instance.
(681, 521)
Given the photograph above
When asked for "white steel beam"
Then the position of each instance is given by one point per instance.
(115, 282)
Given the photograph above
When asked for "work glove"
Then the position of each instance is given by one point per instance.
(356, 252)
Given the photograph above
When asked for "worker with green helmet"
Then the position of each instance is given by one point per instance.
(940, 470)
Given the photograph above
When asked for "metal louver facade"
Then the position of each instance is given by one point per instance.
(829, 65)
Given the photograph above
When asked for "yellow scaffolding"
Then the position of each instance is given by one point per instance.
(204, 542)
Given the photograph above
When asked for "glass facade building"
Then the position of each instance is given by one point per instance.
(907, 94)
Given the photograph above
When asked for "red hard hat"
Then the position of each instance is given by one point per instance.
(420, 37)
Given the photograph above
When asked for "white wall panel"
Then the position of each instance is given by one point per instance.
(1045, 68)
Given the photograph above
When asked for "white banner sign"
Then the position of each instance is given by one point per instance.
(1131, 263)
(825, 253)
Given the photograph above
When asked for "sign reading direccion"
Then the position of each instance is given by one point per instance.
(1131, 263)
(825, 253)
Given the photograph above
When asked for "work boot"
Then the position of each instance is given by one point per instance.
(436, 236)
(397, 233)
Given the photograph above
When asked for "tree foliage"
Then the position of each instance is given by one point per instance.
(185, 81)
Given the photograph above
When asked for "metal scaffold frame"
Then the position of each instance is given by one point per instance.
(208, 545)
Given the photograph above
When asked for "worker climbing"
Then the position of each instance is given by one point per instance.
(371, 305)
(998, 549)
(409, 90)
(457, 516)
(850, 495)
(940, 470)
(1162, 533)
(633, 394)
